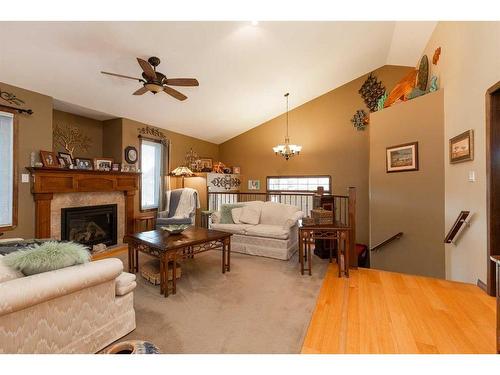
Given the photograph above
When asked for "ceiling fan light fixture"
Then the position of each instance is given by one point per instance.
(153, 87)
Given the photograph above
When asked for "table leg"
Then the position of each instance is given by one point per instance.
(223, 256)
(229, 254)
(162, 281)
(130, 258)
(346, 250)
(309, 258)
(174, 275)
(301, 252)
(136, 260)
(339, 255)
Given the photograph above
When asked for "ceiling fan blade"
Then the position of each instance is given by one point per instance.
(147, 68)
(141, 91)
(122, 76)
(182, 82)
(176, 94)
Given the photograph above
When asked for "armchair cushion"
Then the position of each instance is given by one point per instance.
(268, 231)
(250, 215)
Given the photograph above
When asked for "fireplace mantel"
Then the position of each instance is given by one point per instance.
(49, 181)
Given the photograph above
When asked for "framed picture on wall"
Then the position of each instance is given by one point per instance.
(205, 164)
(253, 184)
(462, 147)
(402, 158)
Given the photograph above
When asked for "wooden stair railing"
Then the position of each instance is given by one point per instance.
(387, 241)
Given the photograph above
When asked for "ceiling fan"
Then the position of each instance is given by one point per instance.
(157, 82)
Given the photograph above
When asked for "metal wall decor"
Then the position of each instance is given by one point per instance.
(155, 132)
(192, 160)
(423, 73)
(371, 91)
(360, 120)
(13, 99)
(71, 138)
(218, 182)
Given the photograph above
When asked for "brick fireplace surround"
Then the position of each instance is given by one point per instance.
(50, 187)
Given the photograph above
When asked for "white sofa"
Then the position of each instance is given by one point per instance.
(78, 309)
(274, 236)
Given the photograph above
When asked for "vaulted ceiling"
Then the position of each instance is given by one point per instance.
(243, 69)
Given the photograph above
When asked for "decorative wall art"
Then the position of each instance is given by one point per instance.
(205, 164)
(155, 132)
(71, 138)
(435, 57)
(218, 182)
(381, 101)
(371, 91)
(402, 158)
(402, 88)
(462, 147)
(49, 159)
(360, 120)
(191, 160)
(253, 184)
(423, 73)
(236, 170)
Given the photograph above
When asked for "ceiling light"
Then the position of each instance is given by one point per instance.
(287, 150)
(153, 87)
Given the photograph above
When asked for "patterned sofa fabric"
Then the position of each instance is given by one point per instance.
(71, 310)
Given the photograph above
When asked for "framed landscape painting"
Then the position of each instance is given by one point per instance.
(402, 158)
(462, 147)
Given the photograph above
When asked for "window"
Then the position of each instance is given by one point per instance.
(151, 168)
(304, 184)
(8, 178)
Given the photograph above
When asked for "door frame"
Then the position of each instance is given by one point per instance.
(493, 239)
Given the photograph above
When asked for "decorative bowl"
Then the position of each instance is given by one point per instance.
(175, 229)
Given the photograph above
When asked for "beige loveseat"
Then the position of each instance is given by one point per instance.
(275, 235)
(78, 309)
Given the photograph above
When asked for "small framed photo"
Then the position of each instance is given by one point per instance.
(253, 184)
(125, 168)
(67, 159)
(462, 147)
(205, 164)
(402, 158)
(49, 159)
(116, 167)
(236, 170)
(103, 164)
(62, 162)
(84, 163)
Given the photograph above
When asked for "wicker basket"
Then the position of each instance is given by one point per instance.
(322, 216)
(306, 221)
(151, 271)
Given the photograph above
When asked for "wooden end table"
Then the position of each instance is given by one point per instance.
(335, 231)
(172, 247)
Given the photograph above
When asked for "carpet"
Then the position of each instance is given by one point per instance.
(262, 306)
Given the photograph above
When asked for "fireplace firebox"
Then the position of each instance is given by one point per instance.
(90, 225)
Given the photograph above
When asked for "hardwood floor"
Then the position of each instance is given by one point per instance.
(111, 253)
(383, 312)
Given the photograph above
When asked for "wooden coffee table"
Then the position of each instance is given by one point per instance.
(172, 247)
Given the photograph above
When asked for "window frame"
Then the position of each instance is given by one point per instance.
(15, 170)
(139, 161)
(299, 191)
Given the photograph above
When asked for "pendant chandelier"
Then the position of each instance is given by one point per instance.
(287, 150)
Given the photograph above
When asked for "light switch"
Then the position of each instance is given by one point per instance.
(472, 176)
(25, 178)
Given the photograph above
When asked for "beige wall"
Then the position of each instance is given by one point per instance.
(330, 143)
(409, 202)
(469, 65)
(112, 139)
(89, 127)
(35, 134)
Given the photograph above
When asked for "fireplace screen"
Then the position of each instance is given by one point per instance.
(90, 225)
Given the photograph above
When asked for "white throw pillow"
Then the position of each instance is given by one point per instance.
(250, 215)
(236, 214)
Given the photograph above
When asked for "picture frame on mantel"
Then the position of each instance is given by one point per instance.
(402, 158)
(49, 159)
(462, 147)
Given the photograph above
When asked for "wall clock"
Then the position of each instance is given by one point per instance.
(131, 154)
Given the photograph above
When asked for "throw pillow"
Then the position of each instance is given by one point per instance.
(225, 213)
(47, 257)
(236, 214)
(7, 273)
(250, 215)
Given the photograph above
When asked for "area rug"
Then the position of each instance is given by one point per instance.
(262, 306)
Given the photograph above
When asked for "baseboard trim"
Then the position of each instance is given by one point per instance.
(482, 285)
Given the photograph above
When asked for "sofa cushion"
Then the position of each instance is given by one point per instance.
(7, 273)
(236, 214)
(231, 228)
(270, 231)
(225, 213)
(47, 257)
(125, 283)
(277, 213)
(250, 214)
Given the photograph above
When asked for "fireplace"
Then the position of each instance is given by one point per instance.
(90, 225)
